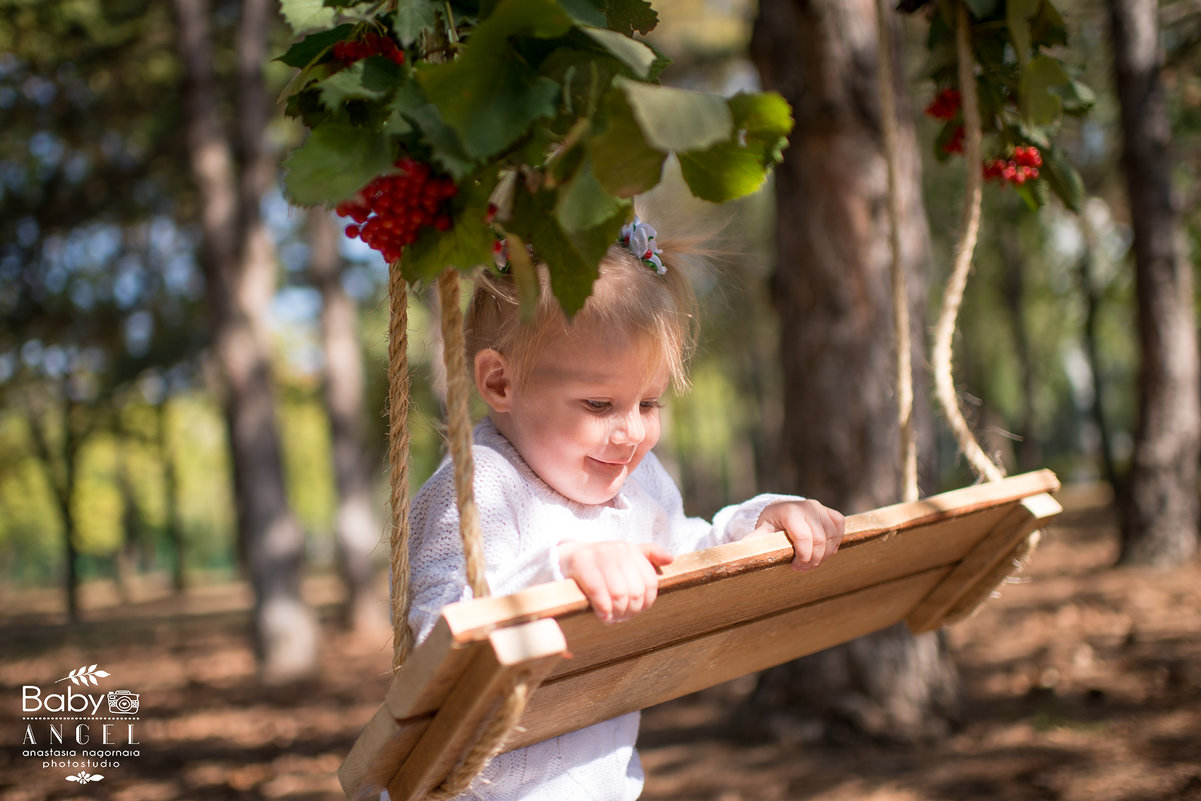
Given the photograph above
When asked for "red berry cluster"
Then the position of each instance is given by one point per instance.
(372, 44)
(1020, 168)
(955, 143)
(388, 213)
(945, 105)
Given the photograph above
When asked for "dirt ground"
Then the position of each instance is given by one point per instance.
(1082, 683)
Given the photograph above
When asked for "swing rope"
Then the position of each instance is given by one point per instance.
(458, 426)
(981, 463)
(508, 713)
(944, 381)
(490, 741)
(983, 466)
(900, 288)
(398, 463)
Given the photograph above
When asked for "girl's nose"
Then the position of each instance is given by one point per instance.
(629, 429)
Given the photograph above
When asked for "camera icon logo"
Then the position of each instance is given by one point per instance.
(123, 702)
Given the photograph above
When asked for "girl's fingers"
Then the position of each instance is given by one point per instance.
(619, 579)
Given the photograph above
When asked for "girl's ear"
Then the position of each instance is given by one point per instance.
(494, 380)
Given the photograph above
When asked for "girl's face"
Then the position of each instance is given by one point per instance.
(587, 413)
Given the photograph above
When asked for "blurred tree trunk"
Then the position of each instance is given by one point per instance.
(128, 559)
(832, 291)
(357, 531)
(239, 268)
(1013, 290)
(59, 464)
(166, 457)
(1160, 525)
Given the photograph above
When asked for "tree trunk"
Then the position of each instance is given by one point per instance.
(60, 475)
(357, 531)
(832, 291)
(1160, 524)
(239, 269)
(166, 455)
(1013, 290)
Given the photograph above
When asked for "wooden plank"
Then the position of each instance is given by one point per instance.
(429, 674)
(472, 620)
(527, 651)
(584, 698)
(721, 613)
(982, 562)
(681, 613)
(379, 750)
(419, 688)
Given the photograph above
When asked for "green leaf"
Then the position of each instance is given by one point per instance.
(981, 9)
(634, 54)
(467, 245)
(586, 12)
(489, 102)
(1063, 179)
(446, 149)
(594, 242)
(677, 119)
(1039, 103)
(1047, 28)
(571, 274)
(310, 48)
(583, 203)
(662, 62)
(740, 165)
(489, 95)
(627, 16)
(368, 79)
(336, 161)
(1017, 20)
(307, 15)
(622, 160)
(396, 124)
(414, 17)
(525, 276)
(1078, 98)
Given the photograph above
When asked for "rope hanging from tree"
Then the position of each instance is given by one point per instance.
(492, 736)
(944, 381)
(952, 298)
(398, 464)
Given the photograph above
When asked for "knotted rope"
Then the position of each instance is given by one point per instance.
(490, 742)
(458, 394)
(944, 381)
(980, 462)
(398, 462)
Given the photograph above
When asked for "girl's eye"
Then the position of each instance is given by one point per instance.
(596, 405)
(651, 404)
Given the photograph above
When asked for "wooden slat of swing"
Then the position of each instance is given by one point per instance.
(721, 613)
(467, 682)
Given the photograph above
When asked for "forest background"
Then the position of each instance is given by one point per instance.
(116, 480)
(112, 372)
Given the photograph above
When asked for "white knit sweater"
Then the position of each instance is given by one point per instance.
(522, 520)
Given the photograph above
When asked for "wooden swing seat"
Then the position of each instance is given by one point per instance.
(721, 613)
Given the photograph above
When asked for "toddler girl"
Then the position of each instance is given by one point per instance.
(567, 486)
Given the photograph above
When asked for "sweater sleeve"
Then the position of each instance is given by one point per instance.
(682, 533)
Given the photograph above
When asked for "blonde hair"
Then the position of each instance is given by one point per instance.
(628, 298)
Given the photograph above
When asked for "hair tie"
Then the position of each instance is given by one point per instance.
(639, 237)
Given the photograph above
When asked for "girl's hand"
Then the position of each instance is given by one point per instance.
(620, 579)
(814, 530)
